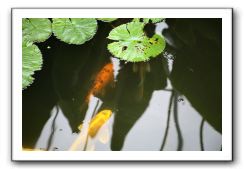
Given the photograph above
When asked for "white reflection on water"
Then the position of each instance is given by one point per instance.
(146, 134)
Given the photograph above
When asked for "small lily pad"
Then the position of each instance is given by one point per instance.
(74, 30)
(36, 29)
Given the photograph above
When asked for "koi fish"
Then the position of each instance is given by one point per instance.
(97, 122)
(94, 126)
(103, 78)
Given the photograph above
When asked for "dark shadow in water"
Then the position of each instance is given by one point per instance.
(197, 68)
(136, 82)
(74, 73)
(38, 99)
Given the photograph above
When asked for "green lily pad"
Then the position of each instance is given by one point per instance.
(74, 30)
(107, 19)
(36, 29)
(133, 45)
(31, 62)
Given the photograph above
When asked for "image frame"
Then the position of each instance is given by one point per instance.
(18, 155)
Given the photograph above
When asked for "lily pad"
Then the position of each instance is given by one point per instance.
(31, 62)
(133, 45)
(74, 30)
(36, 29)
(107, 19)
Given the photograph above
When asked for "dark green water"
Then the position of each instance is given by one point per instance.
(172, 102)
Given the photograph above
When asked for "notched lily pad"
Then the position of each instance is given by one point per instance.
(157, 45)
(133, 45)
(74, 30)
(36, 29)
(31, 62)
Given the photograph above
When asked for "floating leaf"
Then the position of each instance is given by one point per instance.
(74, 30)
(137, 20)
(107, 19)
(132, 44)
(36, 29)
(157, 45)
(31, 61)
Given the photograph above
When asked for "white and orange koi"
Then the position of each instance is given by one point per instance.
(94, 126)
(97, 122)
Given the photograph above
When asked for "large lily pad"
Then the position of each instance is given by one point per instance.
(133, 45)
(74, 30)
(36, 29)
(31, 61)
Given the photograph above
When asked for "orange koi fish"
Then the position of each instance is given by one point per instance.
(103, 78)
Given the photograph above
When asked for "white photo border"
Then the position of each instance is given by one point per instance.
(227, 91)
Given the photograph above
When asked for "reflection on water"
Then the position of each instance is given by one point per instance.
(85, 100)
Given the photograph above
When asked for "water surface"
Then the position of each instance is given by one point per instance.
(172, 102)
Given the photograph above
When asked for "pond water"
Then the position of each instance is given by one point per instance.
(172, 102)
